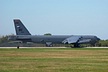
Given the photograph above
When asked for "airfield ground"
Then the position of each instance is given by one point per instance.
(54, 60)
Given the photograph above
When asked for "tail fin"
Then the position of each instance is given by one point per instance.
(20, 28)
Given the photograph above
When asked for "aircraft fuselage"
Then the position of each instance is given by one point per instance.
(55, 39)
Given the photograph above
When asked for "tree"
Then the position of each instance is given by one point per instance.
(4, 39)
(48, 34)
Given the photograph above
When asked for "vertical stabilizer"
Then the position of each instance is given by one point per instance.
(20, 28)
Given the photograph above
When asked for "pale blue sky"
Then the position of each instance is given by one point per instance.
(64, 17)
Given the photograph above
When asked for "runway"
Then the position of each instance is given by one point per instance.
(50, 47)
(33, 47)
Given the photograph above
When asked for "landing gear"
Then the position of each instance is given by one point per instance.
(17, 47)
(76, 45)
(49, 44)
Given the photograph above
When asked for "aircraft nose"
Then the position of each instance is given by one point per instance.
(98, 38)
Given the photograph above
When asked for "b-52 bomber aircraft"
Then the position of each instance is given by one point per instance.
(22, 34)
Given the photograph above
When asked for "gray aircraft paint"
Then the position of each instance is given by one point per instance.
(22, 34)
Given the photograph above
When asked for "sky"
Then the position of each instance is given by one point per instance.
(58, 17)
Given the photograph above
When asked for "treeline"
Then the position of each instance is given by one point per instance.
(4, 39)
(103, 43)
(5, 42)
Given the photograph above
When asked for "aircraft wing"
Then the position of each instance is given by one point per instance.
(72, 39)
(84, 40)
(76, 39)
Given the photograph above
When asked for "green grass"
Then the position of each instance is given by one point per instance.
(54, 60)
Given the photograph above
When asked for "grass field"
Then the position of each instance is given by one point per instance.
(54, 60)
